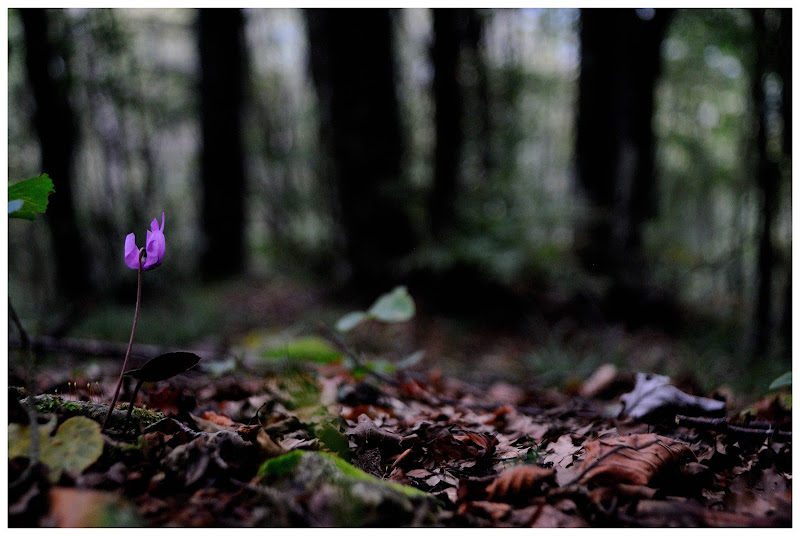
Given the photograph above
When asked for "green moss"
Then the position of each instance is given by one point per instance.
(342, 471)
(351, 471)
(146, 416)
(281, 465)
(54, 404)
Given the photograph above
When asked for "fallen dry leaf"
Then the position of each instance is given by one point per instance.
(653, 393)
(466, 445)
(600, 380)
(550, 517)
(520, 481)
(218, 418)
(493, 510)
(633, 459)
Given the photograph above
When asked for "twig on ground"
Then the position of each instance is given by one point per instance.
(721, 425)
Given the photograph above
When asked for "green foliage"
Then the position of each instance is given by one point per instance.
(312, 349)
(784, 380)
(165, 366)
(334, 440)
(76, 445)
(351, 320)
(33, 194)
(394, 306)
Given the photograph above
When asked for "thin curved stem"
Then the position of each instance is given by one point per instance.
(142, 254)
(30, 407)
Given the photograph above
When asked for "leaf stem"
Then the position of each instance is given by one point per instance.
(130, 343)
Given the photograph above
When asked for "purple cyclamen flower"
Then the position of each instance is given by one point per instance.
(154, 247)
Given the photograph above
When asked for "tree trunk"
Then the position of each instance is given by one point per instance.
(54, 121)
(620, 62)
(222, 64)
(785, 65)
(351, 57)
(770, 59)
(449, 28)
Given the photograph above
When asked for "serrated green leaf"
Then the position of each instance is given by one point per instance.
(307, 349)
(33, 193)
(395, 306)
(350, 320)
(781, 381)
(165, 366)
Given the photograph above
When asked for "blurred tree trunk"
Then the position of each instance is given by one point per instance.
(449, 29)
(351, 60)
(771, 59)
(785, 60)
(222, 64)
(620, 62)
(48, 72)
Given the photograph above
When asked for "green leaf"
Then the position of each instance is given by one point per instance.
(781, 381)
(19, 437)
(334, 440)
(33, 193)
(395, 306)
(305, 348)
(350, 320)
(165, 366)
(76, 445)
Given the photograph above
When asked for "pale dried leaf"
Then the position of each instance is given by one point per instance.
(652, 392)
(600, 380)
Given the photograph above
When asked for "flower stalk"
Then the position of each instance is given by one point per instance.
(142, 255)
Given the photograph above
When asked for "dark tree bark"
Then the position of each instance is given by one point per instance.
(222, 64)
(449, 29)
(54, 121)
(351, 57)
(785, 65)
(620, 62)
(771, 55)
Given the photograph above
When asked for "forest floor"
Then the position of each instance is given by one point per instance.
(283, 427)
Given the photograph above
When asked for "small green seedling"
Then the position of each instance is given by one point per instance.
(784, 380)
(158, 369)
(395, 306)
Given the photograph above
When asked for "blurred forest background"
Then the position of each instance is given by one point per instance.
(545, 173)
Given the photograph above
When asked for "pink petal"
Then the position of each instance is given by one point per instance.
(131, 252)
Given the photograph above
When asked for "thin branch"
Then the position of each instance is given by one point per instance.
(721, 425)
(30, 408)
(337, 341)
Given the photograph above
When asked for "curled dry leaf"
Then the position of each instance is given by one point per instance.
(653, 393)
(218, 418)
(466, 445)
(493, 510)
(524, 480)
(633, 459)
